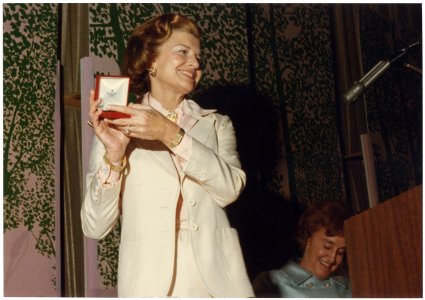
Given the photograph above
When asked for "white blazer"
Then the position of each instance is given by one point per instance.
(150, 189)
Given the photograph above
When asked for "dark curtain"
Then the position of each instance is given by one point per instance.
(73, 35)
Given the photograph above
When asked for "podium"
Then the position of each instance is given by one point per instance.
(384, 248)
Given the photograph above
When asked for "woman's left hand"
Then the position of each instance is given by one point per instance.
(145, 123)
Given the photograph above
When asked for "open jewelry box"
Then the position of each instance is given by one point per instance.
(113, 89)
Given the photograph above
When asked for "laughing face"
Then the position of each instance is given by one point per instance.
(323, 254)
(178, 64)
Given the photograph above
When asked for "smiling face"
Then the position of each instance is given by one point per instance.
(323, 254)
(178, 65)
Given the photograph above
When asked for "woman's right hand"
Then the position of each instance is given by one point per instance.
(114, 140)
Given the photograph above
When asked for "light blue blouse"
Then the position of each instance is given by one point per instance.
(291, 281)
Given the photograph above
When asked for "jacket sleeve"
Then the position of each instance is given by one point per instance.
(100, 209)
(218, 172)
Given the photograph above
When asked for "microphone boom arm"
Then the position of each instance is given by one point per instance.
(359, 87)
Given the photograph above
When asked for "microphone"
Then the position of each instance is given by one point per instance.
(359, 87)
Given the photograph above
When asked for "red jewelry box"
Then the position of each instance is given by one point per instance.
(112, 89)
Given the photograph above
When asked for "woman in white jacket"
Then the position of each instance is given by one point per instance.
(168, 171)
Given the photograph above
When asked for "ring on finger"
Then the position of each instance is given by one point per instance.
(128, 129)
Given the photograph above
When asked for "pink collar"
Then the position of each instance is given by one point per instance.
(188, 111)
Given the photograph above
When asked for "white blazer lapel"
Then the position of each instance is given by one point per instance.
(204, 124)
(202, 130)
(158, 152)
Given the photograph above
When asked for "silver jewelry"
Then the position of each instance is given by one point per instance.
(127, 130)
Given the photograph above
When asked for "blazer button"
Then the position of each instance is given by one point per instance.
(310, 285)
(96, 192)
(192, 202)
(194, 227)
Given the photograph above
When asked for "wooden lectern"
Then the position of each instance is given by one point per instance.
(384, 248)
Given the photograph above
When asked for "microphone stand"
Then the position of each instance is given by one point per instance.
(359, 87)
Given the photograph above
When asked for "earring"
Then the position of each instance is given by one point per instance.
(152, 71)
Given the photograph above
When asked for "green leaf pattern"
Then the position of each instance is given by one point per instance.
(30, 43)
(304, 53)
(305, 57)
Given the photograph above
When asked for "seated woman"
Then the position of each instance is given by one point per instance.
(321, 237)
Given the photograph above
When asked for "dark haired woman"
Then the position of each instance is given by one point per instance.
(168, 171)
(321, 237)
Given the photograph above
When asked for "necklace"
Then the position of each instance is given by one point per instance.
(172, 116)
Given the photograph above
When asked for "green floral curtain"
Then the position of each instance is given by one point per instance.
(29, 203)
